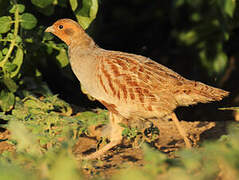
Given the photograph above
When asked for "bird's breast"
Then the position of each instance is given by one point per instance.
(84, 67)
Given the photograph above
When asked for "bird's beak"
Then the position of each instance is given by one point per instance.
(50, 29)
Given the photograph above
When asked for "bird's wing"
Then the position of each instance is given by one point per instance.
(155, 80)
(143, 84)
(135, 79)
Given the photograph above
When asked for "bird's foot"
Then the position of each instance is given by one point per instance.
(181, 131)
(98, 154)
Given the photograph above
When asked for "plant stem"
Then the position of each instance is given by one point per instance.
(5, 40)
(13, 42)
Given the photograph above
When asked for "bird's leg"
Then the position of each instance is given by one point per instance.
(115, 137)
(181, 130)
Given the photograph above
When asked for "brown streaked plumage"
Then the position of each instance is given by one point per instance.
(130, 86)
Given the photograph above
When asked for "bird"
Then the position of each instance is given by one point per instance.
(132, 87)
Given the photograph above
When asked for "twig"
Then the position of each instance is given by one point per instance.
(228, 72)
(13, 42)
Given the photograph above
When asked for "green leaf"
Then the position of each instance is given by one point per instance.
(18, 39)
(178, 3)
(35, 103)
(1, 56)
(191, 159)
(64, 167)
(216, 63)
(189, 37)
(87, 13)
(7, 100)
(26, 140)
(18, 60)
(10, 84)
(10, 67)
(85, 10)
(62, 58)
(196, 17)
(227, 6)
(47, 11)
(42, 3)
(4, 51)
(10, 171)
(230, 7)
(10, 36)
(5, 24)
(47, 37)
(21, 8)
(74, 4)
(220, 63)
(28, 21)
(63, 3)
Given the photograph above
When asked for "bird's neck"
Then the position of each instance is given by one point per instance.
(83, 41)
(84, 63)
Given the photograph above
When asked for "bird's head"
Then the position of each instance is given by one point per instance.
(67, 30)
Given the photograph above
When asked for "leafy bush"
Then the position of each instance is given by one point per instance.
(208, 27)
(213, 160)
(44, 132)
(20, 40)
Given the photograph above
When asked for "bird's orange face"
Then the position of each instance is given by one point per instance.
(65, 29)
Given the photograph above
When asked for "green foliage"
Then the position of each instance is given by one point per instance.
(10, 172)
(26, 140)
(57, 164)
(130, 133)
(227, 7)
(7, 100)
(49, 121)
(5, 24)
(28, 21)
(42, 3)
(206, 29)
(87, 13)
(44, 131)
(64, 167)
(16, 45)
(214, 159)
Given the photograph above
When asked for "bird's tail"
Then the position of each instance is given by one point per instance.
(196, 92)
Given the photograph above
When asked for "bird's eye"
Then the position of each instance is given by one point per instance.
(60, 27)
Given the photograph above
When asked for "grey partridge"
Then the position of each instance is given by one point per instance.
(130, 86)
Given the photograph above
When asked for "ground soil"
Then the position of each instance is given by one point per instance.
(130, 154)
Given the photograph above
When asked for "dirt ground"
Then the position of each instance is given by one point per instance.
(168, 141)
(130, 154)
